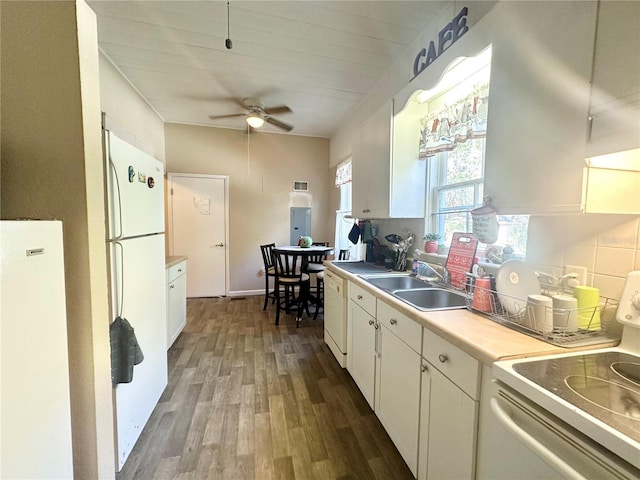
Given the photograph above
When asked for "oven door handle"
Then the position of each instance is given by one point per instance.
(507, 420)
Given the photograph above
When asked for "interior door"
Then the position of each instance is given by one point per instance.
(198, 216)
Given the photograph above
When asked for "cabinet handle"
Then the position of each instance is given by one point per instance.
(393, 321)
(359, 297)
(423, 368)
(370, 322)
(219, 245)
(589, 127)
(443, 358)
(179, 270)
(365, 210)
(376, 326)
(171, 286)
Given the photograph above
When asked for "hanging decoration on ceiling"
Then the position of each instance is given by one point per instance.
(228, 43)
(456, 123)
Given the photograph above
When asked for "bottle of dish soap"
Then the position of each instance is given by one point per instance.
(414, 267)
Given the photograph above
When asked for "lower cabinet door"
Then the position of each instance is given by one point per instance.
(398, 400)
(362, 365)
(177, 308)
(448, 418)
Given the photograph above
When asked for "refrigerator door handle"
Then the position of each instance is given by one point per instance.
(119, 279)
(115, 190)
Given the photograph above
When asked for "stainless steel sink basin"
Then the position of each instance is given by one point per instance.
(395, 282)
(427, 299)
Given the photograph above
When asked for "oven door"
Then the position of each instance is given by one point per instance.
(526, 442)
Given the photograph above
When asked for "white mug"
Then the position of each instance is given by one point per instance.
(539, 313)
(565, 313)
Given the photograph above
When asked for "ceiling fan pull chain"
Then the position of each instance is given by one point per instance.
(228, 43)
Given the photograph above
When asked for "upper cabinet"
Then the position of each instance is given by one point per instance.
(565, 85)
(615, 96)
(387, 181)
(538, 106)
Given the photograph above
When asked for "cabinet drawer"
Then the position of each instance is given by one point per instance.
(176, 270)
(406, 329)
(457, 365)
(363, 298)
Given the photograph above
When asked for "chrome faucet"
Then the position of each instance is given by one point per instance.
(427, 272)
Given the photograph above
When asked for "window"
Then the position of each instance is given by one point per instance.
(456, 186)
(453, 138)
(343, 224)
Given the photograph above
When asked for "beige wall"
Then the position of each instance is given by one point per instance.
(261, 168)
(52, 169)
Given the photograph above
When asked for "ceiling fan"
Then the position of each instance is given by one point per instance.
(257, 114)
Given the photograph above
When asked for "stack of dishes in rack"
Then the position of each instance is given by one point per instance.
(520, 300)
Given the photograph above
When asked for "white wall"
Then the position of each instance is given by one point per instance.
(129, 115)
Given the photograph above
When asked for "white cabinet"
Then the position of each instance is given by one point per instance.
(361, 362)
(335, 316)
(176, 300)
(538, 103)
(371, 164)
(448, 411)
(398, 388)
(615, 96)
(424, 390)
(385, 184)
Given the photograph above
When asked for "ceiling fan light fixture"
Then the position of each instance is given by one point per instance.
(255, 121)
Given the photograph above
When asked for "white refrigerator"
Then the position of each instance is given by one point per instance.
(35, 409)
(135, 187)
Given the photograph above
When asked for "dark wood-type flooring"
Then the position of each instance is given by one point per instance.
(249, 400)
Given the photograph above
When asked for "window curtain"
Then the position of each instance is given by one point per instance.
(456, 123)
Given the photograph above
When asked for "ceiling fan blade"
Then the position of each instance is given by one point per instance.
(278, 123)
(216, 117)
(275, 110)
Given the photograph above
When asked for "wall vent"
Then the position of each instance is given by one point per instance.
(300, 186)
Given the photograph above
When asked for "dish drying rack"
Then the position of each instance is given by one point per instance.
(608, 331)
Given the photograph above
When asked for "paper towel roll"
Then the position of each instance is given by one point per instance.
(588, 307)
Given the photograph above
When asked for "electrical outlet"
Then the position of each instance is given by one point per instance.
(581, 273)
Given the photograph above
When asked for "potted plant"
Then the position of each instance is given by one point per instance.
(431, 242)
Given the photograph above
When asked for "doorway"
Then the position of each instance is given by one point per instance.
(198, 222)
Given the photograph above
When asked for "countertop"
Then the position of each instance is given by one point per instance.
(480, 337)
(174, 260)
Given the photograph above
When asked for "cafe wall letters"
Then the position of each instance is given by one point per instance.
(449, 35)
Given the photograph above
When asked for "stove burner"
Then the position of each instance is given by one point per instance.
(605, 385)
(608, 395)
(628, 370)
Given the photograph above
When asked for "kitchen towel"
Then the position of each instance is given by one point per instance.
(354, 234)
(125, 351)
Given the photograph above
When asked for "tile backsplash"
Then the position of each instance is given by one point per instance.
(607, 245)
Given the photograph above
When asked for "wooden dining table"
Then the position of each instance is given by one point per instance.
(305, 253)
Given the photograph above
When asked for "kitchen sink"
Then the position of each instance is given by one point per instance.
(395, 282)
(432, 298)
(420, 294)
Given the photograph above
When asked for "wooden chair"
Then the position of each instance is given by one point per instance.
(289, 278)
(344, 254)
(269, 272)
(316, 267)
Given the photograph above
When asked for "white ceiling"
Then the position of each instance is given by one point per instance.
(318, 57)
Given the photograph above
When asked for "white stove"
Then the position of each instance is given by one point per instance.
(595, 394)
